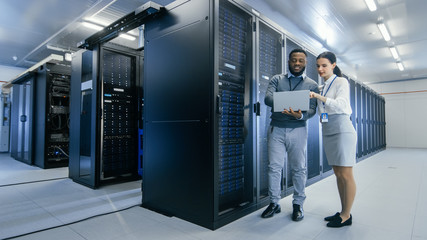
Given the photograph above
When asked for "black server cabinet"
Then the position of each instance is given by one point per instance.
(198, 113)
(383, 124)
(51, 116)
(359, 117)
(375, 118)
(21, 137)
(364, 109)
(313, 127)
(369, 120)
(270, 51)
(353, 101)
(104, 115)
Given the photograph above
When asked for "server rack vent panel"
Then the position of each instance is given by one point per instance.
(119, 114)
(313, 145)
(57, 129)
(270, 64)
(233, 30)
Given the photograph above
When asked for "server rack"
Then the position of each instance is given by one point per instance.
(314, 165)
(21, 137)
(364, 109)
(5, 112)
(353, 101)
(369, 110)
(270, 54)
(198, 115)
(51, 115)
(359, 121)
(104, 114)
(384, 124)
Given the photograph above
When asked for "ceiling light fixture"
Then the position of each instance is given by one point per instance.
(127, 36)
(400, 66)
(394, 52)
(92, 26)
(371, 5)
(384, 31)
(99, 28)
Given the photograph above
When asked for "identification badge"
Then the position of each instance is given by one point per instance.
(324, 117)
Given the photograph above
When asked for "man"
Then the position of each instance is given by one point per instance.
(287, 136)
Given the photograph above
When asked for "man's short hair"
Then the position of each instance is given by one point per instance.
(296, 50)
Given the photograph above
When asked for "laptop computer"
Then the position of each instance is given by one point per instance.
(294, 99)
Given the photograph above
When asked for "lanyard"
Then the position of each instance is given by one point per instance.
(290, 87)
(327, 90)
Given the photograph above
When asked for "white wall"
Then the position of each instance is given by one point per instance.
(7, 73)
(406, 113)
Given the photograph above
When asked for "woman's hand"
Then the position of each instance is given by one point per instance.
(318, 96)
(313, 95)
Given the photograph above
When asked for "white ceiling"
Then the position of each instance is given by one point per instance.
(345, 27)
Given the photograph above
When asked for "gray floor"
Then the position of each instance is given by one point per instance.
(391, 204)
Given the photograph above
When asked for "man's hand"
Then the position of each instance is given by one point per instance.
(292, 113)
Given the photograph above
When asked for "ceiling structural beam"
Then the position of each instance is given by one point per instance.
(95, 8)
(53, 58)
(133, 20)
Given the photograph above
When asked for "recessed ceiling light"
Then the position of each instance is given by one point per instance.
(15, 58)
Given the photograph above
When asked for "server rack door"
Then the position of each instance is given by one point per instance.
(383, 117)
(359, 117)
(40, 117)
(269, 64)
(383, 124)
(82, 167)
(353, 101)
(22, 133)
(313, 125)
(364, 121)
(119, 127)
(200, 109)
(369, 119)
(376, 128)
(14, 122)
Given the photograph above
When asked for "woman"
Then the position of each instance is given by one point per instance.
(339, 136)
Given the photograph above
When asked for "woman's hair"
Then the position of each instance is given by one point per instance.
(332, 59)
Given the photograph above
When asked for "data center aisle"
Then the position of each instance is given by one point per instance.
(34, 199)
(14, 172)
(390, 204)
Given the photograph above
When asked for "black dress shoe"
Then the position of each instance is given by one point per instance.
(333, 217)
(271, 210)
(337, 223)
(298, 213)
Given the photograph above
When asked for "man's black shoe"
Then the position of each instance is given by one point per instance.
(271, 210)
(298, 213)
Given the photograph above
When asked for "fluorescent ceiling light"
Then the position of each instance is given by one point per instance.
(394, 52)
(371, 5)
(400, 66)
(127, 36)
(99, 28)
(384, 31)
(92, 26)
